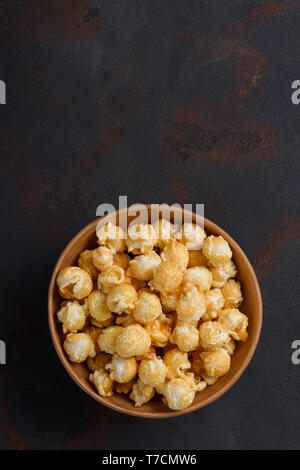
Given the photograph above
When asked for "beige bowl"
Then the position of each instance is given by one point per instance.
(252, 307)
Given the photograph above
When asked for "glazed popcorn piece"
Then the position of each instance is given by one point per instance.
(97, 307)
(164, 230)
(122, 298)
(108, 338)
(166, 278)
(133, 340)
(142, 267)
(186, 337)
(125, 319)
(199, 277)
(104, 323)
(197, 365)
(208, 379)
(121, 369)
(236, 322)
(121, 259)
(230, 346)
(124, 388)
(195, 383)
(77, 346)
(141, 393)
(148, 354)
(176, 362)
(93, 333)
(72, 316)
(138, 285)
(213, 335)
(102, 382)
(176, 252)
(216, 363)
(160, 331)
(110, 278)
(112, 236)
(214, 304)
(152, 371)
(141, 238)
(99, 361)
(192, 236)
(85, 261)
(102, 257)
(197, 258)
(191, 305)
(164, 317)
(148, 307)
(232, 294)
(217, 250)
(74, 283)
(222, 273)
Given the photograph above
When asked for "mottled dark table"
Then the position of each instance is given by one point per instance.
(163, 101)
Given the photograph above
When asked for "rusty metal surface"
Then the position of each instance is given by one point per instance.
(164, 101)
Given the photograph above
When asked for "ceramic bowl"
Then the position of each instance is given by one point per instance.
(252, 307)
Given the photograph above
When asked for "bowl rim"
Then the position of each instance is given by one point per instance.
(213, 227)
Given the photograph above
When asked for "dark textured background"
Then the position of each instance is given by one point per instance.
(164, 101)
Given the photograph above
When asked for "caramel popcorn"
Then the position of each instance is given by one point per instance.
(74, 283)
(167, 277)
(122, 260)
(112, 236)
(236, 322)
(85, 261)
(176, 362)
(148, 307)
(141, 238)
(169, 299)
(122, 298)
(97, 307)
(216, 363)
(133, 340)
(213, 335)
(142, 267)
(152, 371)
(108, 338)
(199, 277)
(102, 382)
(178, 393)
(197, 258)
(153, 311)
(164, 230)
(102, 258)
(141, 393)
(160, 331)
(109, 278)
(191, 305)
(192, 236)
(214, 304)
(217, 250)
(176, 252)
(222, 273)
(99, 361)
(232, 294)
(122, 370)
(78, 346)
(72, 316)
(186, 337)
